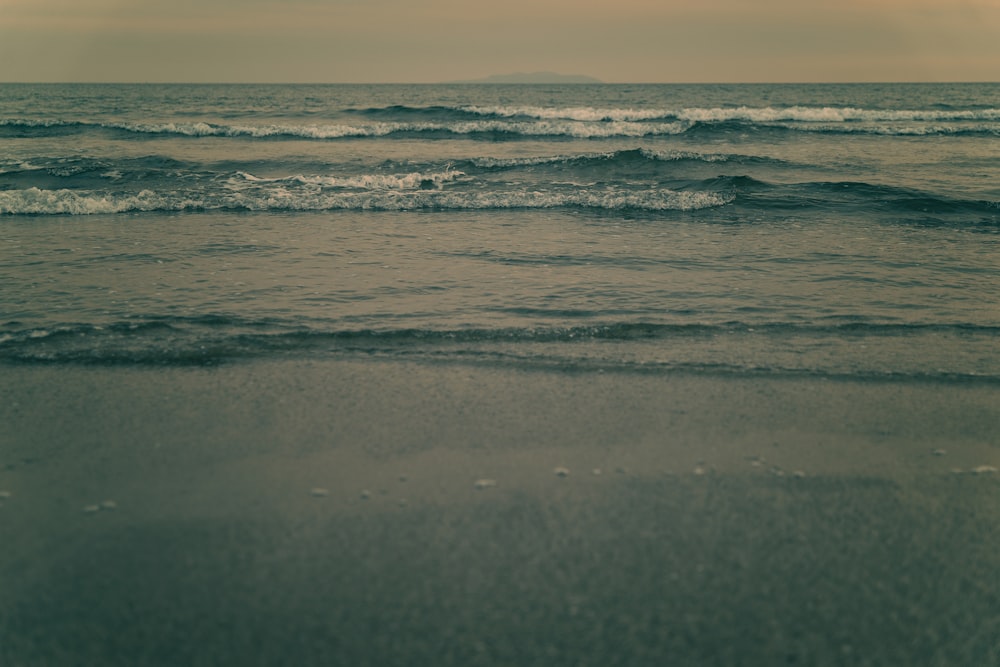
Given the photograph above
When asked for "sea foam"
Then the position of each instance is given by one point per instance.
(34, 201)
(408, 181)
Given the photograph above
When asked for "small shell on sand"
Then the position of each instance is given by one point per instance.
(597, 471)
(484, 484)
(91, 509)
(561, 472)
(799, 474)
(939, 452)
(109, 505)
(319, 493)
(366, 494)
(4, 495)
(699, 470)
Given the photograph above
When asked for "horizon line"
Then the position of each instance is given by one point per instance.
(490, 83)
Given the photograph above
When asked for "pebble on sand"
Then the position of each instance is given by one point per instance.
(366, 494)
(939, 452)
(597, 471)
(319, 493)
(103, 506)
(4, 495)
(561, 472)
(484, 484)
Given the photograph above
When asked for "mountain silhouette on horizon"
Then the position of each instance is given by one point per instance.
(533, 77)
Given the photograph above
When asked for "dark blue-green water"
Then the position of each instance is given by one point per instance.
(821, 230)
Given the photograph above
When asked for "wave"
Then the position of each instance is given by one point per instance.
(453, 189)
(804, 114)
(577, 123)
(415, 180)
(867, 197)
(638, 179)
(896, 130)
(34, 201)
(219, 339)
(554, 128)
(624, 157)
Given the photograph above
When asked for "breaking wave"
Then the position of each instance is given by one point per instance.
(409, 181)
(804, 114)
(621, 156)
(512, 122)
(34, 201)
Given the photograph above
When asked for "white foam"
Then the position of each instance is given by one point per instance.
(650, 200)
(830, 114)
(662, 156)
(502, 163)
(276, 197)
(27, 122)
(261, 131)
(579, 122)
(554, 127)
(365, 181)
(37, 201)
(753, 114)
(587, 114)
(897, 130)
(14, 166)
(673, 156)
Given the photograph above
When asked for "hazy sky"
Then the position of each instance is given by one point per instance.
(439, 40)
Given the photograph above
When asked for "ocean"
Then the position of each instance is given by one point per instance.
(824, 230)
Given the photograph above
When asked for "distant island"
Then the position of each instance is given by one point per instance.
(533, 77)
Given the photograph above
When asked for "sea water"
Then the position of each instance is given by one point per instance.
(834, 231)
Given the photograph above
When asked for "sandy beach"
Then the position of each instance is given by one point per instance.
(366, 512)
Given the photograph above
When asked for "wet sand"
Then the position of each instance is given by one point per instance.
(327, 513)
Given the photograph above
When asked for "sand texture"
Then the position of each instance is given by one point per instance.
(385, 513)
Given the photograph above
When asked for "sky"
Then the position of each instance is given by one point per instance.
(424, 41)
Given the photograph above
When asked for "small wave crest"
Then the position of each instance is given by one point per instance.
(754, 114)
(585, 114)
(622, 156)
(625, 346)
(537, 128)
(803, 114)
(34, 201)
(799, 114)
(414, 180)
(571, 122)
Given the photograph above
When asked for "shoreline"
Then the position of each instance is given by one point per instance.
(326, 512)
